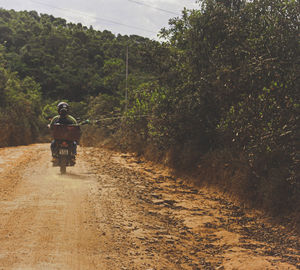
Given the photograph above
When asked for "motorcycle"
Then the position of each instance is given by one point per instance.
(65, 138)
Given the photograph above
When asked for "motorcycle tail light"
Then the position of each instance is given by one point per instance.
(64, 144)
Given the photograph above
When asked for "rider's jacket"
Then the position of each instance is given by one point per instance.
(67, 120)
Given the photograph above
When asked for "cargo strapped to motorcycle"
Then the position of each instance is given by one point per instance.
(66, 132)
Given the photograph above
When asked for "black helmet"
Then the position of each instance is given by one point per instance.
(63, 108)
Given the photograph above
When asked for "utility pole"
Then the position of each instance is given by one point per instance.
(126, 81)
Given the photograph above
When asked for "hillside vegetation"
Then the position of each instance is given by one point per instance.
(55, 60)
(219, 97)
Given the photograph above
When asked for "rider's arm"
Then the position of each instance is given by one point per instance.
(53, 121)
(74, 121)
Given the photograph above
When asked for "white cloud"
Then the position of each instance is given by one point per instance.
(102, 14)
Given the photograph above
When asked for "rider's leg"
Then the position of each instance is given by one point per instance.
(74, 148)
(53, 148)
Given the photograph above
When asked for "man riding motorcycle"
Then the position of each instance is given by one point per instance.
(62, 118)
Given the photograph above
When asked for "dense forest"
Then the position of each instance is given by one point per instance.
(219, 97)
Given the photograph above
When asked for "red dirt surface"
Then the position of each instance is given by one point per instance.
(113, 211)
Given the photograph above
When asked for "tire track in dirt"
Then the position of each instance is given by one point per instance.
(46, 219)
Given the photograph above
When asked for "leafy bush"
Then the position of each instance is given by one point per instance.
(19, 109)
(232, 85)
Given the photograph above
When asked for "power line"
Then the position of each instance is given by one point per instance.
(160, 9)
(94, 17)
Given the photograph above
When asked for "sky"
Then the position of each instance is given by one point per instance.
(126, 17)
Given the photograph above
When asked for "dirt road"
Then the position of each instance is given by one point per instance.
(112, 211)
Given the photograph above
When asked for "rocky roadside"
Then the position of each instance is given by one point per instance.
(151, 220)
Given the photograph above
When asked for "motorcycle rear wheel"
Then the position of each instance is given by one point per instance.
(63, 167)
